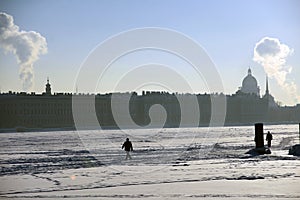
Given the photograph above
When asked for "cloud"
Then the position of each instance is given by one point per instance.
(272, 55)
(26, 46)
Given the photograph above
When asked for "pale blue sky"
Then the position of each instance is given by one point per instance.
(227, 30)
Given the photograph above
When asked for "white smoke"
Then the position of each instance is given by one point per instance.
(26, 46)
(272, 55)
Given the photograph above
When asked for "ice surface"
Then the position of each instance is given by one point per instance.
(184, 163)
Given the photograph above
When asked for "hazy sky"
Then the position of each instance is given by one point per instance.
(228, 30)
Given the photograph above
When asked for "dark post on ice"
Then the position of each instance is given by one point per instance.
(259, 141)
(259, 135)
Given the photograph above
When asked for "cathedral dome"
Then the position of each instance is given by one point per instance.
(249, 85)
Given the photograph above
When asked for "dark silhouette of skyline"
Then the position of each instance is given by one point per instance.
(54, 110)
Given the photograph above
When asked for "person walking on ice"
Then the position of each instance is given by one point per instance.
(269, 138)
(128, 147)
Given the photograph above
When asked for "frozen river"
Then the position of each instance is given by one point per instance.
(184, 163)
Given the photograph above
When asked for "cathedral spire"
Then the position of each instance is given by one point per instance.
(249, 71)
(267, 85)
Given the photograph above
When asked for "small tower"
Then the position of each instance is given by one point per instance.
(48, 87)
(267, 85)
(249, 71)
(270, 99)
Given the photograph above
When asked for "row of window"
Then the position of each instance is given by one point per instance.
(42, 121)
(34, 112)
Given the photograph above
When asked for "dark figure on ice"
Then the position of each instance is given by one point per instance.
(128, 147)
(269, 138)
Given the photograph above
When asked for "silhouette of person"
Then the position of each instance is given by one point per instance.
(128, 147)
(269, 138)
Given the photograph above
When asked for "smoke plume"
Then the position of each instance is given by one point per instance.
(26, 46)
(272, 55)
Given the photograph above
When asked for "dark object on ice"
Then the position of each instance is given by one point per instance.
(269, 138)
(252, 177)
(259, 135)
(128, 147)
(295, 150)
(259, 151)
(259, 142)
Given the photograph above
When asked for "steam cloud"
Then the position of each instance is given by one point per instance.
(26, 46)
(272, 55)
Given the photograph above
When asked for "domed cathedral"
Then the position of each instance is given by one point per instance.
(249, 85)
(247, 106)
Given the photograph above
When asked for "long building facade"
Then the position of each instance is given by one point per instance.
(29, 110)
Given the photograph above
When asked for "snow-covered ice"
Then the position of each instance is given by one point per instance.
(183, 163)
